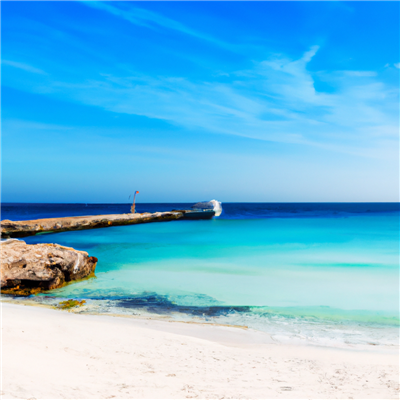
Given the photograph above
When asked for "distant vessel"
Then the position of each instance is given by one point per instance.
(209, 205)
(204, 210)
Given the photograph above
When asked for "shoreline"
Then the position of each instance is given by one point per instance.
(177, 319)
(100, 356)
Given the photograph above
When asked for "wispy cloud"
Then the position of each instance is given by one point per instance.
(152, 20)
(275, 101)
(16, 125)
(23, 66)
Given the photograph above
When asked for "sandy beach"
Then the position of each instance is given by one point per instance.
(54, 354)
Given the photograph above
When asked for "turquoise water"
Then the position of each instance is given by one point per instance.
(346, 263)
(324, 280)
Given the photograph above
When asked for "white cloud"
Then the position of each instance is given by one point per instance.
(23, 66)
(360, 73)
(152, 20)
(397, 65)
(274, 101)
(16, 125)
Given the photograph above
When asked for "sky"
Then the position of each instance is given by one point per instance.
(190, 101)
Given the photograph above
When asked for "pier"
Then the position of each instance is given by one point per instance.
(14, 229)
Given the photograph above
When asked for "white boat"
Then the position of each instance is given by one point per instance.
(203, 210)
(207, 206)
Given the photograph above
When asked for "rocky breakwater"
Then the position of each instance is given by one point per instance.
(52, 225)
(28, 269)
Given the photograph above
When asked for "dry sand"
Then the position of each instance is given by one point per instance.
(53, 354)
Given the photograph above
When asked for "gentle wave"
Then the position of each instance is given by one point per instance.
(320, 326)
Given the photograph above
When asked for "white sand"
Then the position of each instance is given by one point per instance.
(55, 354)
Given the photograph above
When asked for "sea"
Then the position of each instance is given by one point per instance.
(324, 274)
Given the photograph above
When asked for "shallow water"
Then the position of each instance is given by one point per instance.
(325, 274)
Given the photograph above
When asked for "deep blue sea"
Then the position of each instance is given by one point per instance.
(316, 273)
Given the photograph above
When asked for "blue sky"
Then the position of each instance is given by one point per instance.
(188, 101)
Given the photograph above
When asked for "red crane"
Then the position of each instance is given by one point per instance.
(133, 204)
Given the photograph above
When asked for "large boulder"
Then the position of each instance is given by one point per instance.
(28, 269)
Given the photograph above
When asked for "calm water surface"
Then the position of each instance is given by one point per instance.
(325, 274)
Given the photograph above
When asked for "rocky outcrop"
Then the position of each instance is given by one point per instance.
(28, 269)
(50, 225)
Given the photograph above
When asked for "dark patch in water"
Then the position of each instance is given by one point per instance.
(157, 304)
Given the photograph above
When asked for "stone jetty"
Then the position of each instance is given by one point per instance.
(29, 269)
(14, 229)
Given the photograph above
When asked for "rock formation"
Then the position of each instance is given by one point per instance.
(49, 225)
(28, 269)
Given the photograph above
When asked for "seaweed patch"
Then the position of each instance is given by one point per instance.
(71, 303)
